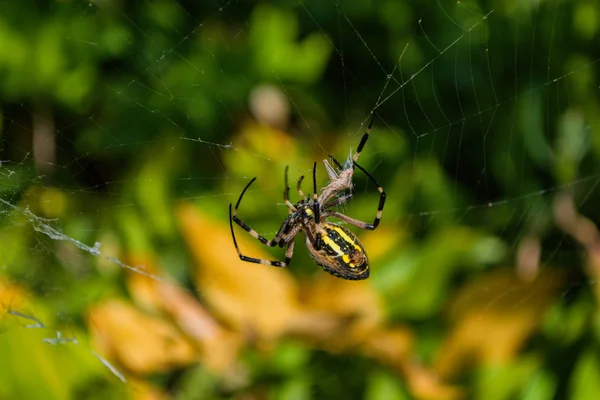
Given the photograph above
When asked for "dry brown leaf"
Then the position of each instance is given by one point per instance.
(583, 230)
(252, 298)
(528, 258)
(392, 346)
(219, 347)
(144, 289)
(493, 316)
(425, 384)
(354, 302)
(143, 344)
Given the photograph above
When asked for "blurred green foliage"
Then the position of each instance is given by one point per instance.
(112, 112)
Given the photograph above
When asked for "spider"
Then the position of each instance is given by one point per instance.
(333, 247)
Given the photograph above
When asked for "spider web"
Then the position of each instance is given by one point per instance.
(484, 140)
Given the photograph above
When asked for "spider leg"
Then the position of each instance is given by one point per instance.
(286, 193)
(288, 254)
(252, 232)
(350, 220)
(316, 209)
(355, 222)
(382, 196)
(363, 140)
(288, 233)
(309, 234)
(299, 187)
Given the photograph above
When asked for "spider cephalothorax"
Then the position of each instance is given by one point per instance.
(335, 248)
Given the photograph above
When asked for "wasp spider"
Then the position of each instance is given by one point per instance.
(336, 249)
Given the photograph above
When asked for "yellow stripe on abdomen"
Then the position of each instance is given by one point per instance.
(347, 238)
(332, 244)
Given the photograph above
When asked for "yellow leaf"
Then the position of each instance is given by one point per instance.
(493, 316)
(218, 346)
(356, 302)
(141, 343)
(253, 298)
(392, 346)
(141, 390)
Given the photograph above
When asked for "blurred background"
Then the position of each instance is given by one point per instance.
(127, 128)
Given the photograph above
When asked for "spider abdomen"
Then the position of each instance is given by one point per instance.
(341, 253)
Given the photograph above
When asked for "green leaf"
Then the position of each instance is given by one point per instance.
(585, 384)
(273, 34)
(384, 386)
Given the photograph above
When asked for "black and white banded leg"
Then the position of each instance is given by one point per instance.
(363, 140)
(299, 188)
(233, 216)
(280, 238)
(288, 254)
(286, 193)
(316, 209)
